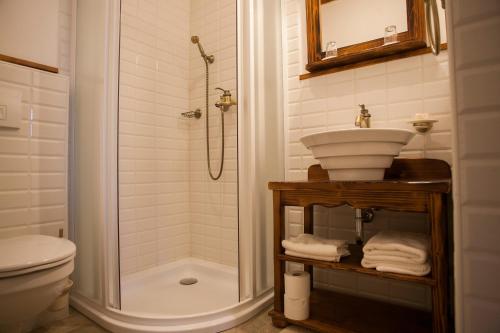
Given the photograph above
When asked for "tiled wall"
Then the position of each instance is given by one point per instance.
(169, 209)
(153, 139)
(214, 220)
(33, 159)
(393, 92)
(476, 66)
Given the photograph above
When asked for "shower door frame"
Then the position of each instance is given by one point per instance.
(111, 274)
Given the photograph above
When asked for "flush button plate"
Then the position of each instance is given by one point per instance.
(10, 108)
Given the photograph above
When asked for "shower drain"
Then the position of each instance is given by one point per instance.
(188, 281)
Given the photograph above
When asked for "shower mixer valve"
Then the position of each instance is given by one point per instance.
(225, 101)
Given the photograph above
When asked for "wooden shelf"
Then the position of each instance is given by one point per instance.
(341, 313)
(436, 185)
(353, 263)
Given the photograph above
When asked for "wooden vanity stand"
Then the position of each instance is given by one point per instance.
(410, 185)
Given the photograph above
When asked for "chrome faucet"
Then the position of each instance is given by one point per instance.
(225, 100)
(363, 119)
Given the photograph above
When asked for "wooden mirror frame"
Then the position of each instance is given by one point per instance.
(413, 38)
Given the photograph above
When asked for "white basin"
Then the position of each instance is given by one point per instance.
(357, 154)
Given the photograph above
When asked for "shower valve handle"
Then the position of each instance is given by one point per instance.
(224, 91)
(225, 101)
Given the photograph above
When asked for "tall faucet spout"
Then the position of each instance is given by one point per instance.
(357, 123)
(363, 118)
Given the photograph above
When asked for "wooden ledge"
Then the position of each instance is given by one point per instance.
(439, 186)
(405, 174)
(28, 63)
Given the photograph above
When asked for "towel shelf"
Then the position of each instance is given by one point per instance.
(410, 185)
(349, 314)
(353, 263)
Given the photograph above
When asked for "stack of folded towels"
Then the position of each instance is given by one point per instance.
(314, 247)
(398, 252)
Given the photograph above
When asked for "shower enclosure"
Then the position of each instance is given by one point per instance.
(169, 208)
(178, 219)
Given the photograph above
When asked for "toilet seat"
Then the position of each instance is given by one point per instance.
(31, 253)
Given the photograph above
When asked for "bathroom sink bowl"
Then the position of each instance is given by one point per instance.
(357, 154)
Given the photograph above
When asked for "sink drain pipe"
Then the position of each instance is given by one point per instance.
(362, 215)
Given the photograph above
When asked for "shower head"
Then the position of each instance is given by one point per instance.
(208, 58)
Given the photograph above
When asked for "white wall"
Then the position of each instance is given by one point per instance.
(153, 138)
(214, 211)
(29, 30)
(393, 92)
(475, 65)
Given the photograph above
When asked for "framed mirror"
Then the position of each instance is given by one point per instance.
(345, 32)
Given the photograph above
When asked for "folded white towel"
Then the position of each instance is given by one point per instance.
(391, 257)
(311, 256)
(396, 246)
(398, 267)
(316, 246)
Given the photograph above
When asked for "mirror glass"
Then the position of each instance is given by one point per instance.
(348, 22)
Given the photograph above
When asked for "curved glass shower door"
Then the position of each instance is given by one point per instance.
(178, 228)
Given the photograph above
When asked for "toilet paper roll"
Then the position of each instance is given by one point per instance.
(297, 284)
(296, 308)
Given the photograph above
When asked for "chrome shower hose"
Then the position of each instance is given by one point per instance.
(207, 125)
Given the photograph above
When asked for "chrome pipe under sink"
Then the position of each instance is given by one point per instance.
(362, 215)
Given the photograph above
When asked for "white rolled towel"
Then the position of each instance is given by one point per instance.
(397, 267)
(308, 244)
(396, 246)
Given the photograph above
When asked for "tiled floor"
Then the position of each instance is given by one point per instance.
(77, 323)
(262, 324)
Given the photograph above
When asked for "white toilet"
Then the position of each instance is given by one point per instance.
(34, 271)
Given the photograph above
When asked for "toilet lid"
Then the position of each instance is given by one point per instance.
(29, 251)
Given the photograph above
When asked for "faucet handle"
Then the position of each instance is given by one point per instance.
(224, 91)
(363, 109)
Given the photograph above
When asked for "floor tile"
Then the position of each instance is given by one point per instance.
(77, 323)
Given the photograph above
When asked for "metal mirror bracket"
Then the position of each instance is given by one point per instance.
(433, 29)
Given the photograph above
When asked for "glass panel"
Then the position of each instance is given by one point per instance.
(178, 226)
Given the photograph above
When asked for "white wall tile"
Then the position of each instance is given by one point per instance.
(481, 315)
(482, 180)
(34, 158)
(477, 88)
